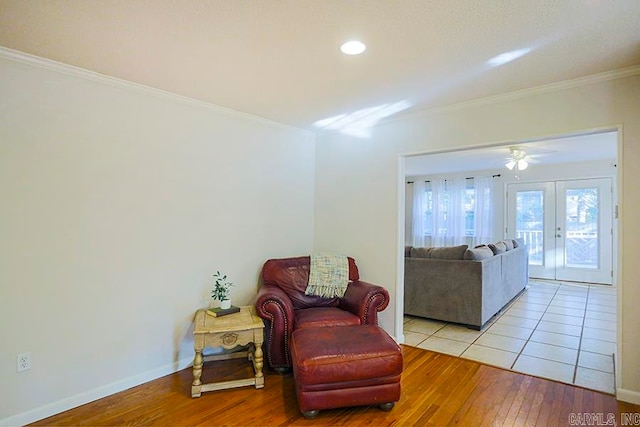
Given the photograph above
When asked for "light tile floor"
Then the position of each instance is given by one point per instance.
(557, 330)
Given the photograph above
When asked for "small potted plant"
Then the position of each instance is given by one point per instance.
(221, 290)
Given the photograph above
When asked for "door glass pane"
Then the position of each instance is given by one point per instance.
(581, 247)
(530, 222)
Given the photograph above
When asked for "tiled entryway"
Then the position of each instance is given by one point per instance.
(556, 330)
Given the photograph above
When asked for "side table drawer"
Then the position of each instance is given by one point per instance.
(227, 340)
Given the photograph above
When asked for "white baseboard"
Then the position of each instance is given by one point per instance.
(628, 396)
(94, 394)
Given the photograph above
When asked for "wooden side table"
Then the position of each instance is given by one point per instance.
(228, 332)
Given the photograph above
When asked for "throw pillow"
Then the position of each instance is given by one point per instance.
(508, 244)
(515, 243)
(420, 252)
(498, 248)
(478, 253)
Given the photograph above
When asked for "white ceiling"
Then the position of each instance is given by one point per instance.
(581, 148)
(280, 59)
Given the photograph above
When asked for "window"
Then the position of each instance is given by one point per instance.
(453, 211)
(469, 198)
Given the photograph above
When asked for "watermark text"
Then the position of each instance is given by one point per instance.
(604, 419)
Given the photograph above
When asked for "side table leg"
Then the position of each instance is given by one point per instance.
(257, 363)
(251, 351)
(196, 386)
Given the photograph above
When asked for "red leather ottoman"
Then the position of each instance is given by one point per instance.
(343, 366)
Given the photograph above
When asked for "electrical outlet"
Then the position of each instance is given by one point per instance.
(23, 362)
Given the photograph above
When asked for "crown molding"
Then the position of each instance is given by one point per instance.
(59, 67)
(71, 70)
(523, 93)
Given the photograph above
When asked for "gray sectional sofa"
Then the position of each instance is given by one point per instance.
(462, 285)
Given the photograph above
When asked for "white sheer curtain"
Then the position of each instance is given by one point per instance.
(417, 219)
(438, 223)
(447, 223)
(483, 215)
(456, 230)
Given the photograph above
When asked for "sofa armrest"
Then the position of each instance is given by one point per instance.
(365, 300)
(270, 294)
(274, 306)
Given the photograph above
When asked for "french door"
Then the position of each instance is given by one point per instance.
(567, 226)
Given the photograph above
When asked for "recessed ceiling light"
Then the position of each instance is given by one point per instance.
(353, 48)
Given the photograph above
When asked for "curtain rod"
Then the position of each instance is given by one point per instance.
(470, 177)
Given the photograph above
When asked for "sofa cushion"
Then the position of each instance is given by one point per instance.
(323, 317)
(448, 252)
(498, 247)
(509, 244)
(444, 252)
(517, 243)
(420, 252)
(292, 276)
(479, 253)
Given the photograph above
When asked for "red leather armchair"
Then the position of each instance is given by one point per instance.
(284, 306)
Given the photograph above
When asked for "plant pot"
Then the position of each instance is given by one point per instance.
(225, 304)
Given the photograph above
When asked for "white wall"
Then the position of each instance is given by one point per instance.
(535, 173)
(118, 204)
(359, 183)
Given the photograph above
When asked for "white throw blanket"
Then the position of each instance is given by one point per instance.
(328, 275)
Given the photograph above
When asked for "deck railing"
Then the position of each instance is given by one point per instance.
(582, 241)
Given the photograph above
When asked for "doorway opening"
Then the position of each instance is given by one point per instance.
(564, 158)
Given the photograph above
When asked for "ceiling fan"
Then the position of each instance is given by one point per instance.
(519, 159)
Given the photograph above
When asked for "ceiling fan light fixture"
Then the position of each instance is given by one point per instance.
(517, 160)
(522, 164)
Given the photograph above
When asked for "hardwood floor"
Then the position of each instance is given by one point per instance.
(436, 390)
